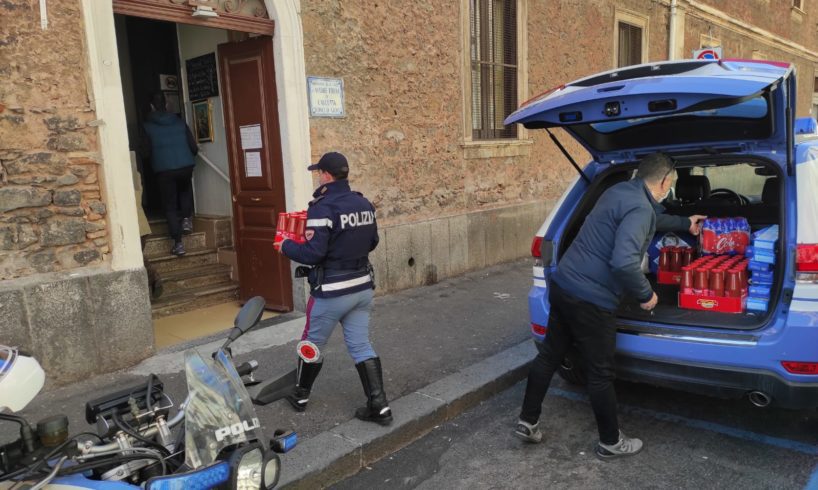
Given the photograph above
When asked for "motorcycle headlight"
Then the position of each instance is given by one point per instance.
(249, 474)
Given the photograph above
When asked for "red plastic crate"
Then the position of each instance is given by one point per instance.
(668, 277)
(722, 304)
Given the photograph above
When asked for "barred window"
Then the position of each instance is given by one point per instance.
(630, 45)
(493, 45)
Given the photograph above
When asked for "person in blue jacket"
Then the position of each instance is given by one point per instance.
(340, 233)
(171, 147)
(600, 267)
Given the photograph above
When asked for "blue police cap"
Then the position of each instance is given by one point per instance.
(331, 162)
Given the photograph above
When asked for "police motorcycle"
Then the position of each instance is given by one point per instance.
(213, 440)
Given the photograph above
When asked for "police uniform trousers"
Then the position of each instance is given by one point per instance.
(352, 312)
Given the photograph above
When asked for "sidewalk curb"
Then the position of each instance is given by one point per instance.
(343, 451)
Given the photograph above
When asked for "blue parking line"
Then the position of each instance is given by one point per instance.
(801, 447)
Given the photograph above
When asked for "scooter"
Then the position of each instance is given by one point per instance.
(213, 440)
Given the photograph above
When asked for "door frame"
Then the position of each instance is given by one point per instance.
(107, 100)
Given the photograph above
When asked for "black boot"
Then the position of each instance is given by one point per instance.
(377, 407)
(305, 377)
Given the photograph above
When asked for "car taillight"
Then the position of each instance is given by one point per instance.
(806, 263)
(536, 245)
(538, 329)
(795, 367)
(806, 258)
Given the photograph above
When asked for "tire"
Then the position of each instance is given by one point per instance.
(572, 369)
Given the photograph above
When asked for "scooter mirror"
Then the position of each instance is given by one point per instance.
(247, 318)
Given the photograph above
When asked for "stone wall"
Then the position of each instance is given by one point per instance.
(52, 216)
(401, 64)
(403, 133)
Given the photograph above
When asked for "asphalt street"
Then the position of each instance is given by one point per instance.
(690, 442)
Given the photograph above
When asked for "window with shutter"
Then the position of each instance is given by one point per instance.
(630, 45)
(493, 47)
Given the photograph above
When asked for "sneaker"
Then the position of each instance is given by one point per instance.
(627, 446)
(187, 226)
(178, 249)
(528, 432)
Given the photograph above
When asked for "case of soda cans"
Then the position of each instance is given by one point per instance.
(724, 236)
(715, 283)
(291, 226)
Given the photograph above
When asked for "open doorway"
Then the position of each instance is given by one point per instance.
(201, 291)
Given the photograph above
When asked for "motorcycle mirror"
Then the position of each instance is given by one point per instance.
(247, 318)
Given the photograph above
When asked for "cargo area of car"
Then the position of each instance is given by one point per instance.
(715, 187)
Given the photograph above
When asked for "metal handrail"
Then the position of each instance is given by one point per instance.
(214, 167)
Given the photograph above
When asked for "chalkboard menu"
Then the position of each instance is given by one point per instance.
(202, 80)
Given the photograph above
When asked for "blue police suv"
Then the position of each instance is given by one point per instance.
(730, 127)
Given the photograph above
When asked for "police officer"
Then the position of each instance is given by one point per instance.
(340, 233)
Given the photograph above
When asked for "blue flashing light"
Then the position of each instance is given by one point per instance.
(201, 479)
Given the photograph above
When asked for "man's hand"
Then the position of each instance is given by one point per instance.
(696, 224)
(650, 304)
(278, 245)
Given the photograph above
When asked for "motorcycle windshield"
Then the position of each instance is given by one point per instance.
(219, 413)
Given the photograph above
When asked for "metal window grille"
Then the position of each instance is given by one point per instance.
(630, 45)
(493, 46)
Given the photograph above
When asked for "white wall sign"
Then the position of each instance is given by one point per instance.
(326, 97)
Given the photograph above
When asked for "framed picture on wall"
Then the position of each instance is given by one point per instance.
(203, 120)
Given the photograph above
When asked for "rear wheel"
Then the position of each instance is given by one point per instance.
(572, 368)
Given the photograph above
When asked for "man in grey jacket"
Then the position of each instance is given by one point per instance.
(600, 267)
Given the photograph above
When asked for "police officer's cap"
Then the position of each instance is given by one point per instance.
(332, 162)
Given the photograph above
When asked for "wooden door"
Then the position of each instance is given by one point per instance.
(249, 96)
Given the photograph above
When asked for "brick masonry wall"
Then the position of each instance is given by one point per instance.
(52, 216)
(401, 65)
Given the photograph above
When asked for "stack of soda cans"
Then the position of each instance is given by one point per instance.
(291, 226)
(761, 265)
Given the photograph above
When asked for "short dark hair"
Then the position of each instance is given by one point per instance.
(159, 102)
(655, 167)
(340, 174)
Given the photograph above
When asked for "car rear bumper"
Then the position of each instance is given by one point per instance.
(718, 381)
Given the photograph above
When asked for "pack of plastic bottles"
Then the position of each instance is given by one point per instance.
(724, 236)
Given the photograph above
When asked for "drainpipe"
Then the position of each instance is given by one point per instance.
(671, 45)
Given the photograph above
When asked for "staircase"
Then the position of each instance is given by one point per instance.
(197, 279)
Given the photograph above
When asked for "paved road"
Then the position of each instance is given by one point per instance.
(691, 442)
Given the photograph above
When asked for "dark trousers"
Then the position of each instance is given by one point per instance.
(593, 331)
(177, 197)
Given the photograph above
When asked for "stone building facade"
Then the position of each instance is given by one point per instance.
(73, 285)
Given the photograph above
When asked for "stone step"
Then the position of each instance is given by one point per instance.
(158, 246)
(193, 299)
(185, 279)
(166, 263)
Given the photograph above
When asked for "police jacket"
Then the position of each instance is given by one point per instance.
(341, 231)
(604, 261)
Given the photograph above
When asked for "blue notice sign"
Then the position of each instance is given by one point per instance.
(326, 96)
